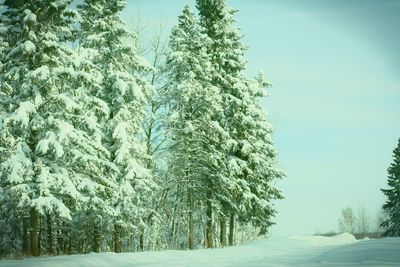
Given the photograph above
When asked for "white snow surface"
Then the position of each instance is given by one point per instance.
(305, 251)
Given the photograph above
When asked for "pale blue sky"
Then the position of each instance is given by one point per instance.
(335, 103)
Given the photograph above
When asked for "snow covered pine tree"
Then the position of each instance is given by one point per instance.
(251, 159)
(126, 91)
(47, 126)
(194, 133)
(392, 204)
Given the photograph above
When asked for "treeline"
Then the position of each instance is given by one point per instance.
(360, 224)
(102, 151)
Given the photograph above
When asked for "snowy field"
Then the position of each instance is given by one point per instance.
(305, 251)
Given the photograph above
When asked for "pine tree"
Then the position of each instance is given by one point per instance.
(48, 126)
(261, 170)
(251, 158)
(126, 92)
(392, 204)
(227, 57)
(192, 126)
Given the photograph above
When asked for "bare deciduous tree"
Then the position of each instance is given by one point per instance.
(362, 222)
(347, 222)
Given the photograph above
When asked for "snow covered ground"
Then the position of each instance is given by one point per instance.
(304, 251)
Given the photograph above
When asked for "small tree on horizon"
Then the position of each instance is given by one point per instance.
(347, 221)
(363, 225)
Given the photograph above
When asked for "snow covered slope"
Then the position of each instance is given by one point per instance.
(305, 251)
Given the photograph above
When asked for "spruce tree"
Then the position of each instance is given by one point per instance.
(126, 91)
(392, 204)
(227, 55)
(261, 169)
(251, 159)
(47, 125)
(194, 106)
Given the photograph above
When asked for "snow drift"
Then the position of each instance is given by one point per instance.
(320, 241)
(305, 251)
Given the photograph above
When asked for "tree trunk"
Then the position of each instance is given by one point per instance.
(209, 225)
(66, 239)
(25, 236)
(231, 229)
(34, 238)
(129, 244)
(205, 236)
(172, 233)
(81, 246)
(68, 251)
(191, 208)
(40, 234)
(49, 235)
(117, 238)
(223, 232)
(177, 231)
(141, 240)
(58, 238)
(96, 239)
